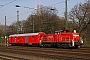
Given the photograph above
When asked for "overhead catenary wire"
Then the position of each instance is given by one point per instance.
(8, 3)
(58, 3)
(19, 15)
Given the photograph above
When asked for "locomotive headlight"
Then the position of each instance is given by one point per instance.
(81, 40)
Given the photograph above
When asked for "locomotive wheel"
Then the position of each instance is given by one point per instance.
(59, 45)
(65, 46)
(13, 45)
(78, 45)
(41, 45)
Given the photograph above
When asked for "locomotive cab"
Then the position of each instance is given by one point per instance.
(68, 39)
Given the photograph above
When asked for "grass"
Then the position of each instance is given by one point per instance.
(2, 41)
(87, 42)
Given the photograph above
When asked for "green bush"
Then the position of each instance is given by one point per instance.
(2, 41)
(87, 42)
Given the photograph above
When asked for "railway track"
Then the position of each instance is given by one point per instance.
(6, 57)
(81, 50)
(55, 53)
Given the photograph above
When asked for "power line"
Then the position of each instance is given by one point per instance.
(57, 3)
(8, 3)
(25, 13)
(19, 15)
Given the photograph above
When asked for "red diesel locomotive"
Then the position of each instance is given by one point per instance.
(60, 39)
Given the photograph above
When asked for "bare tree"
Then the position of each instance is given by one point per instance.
(12, 29)
(79, 16)
(1, 30)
